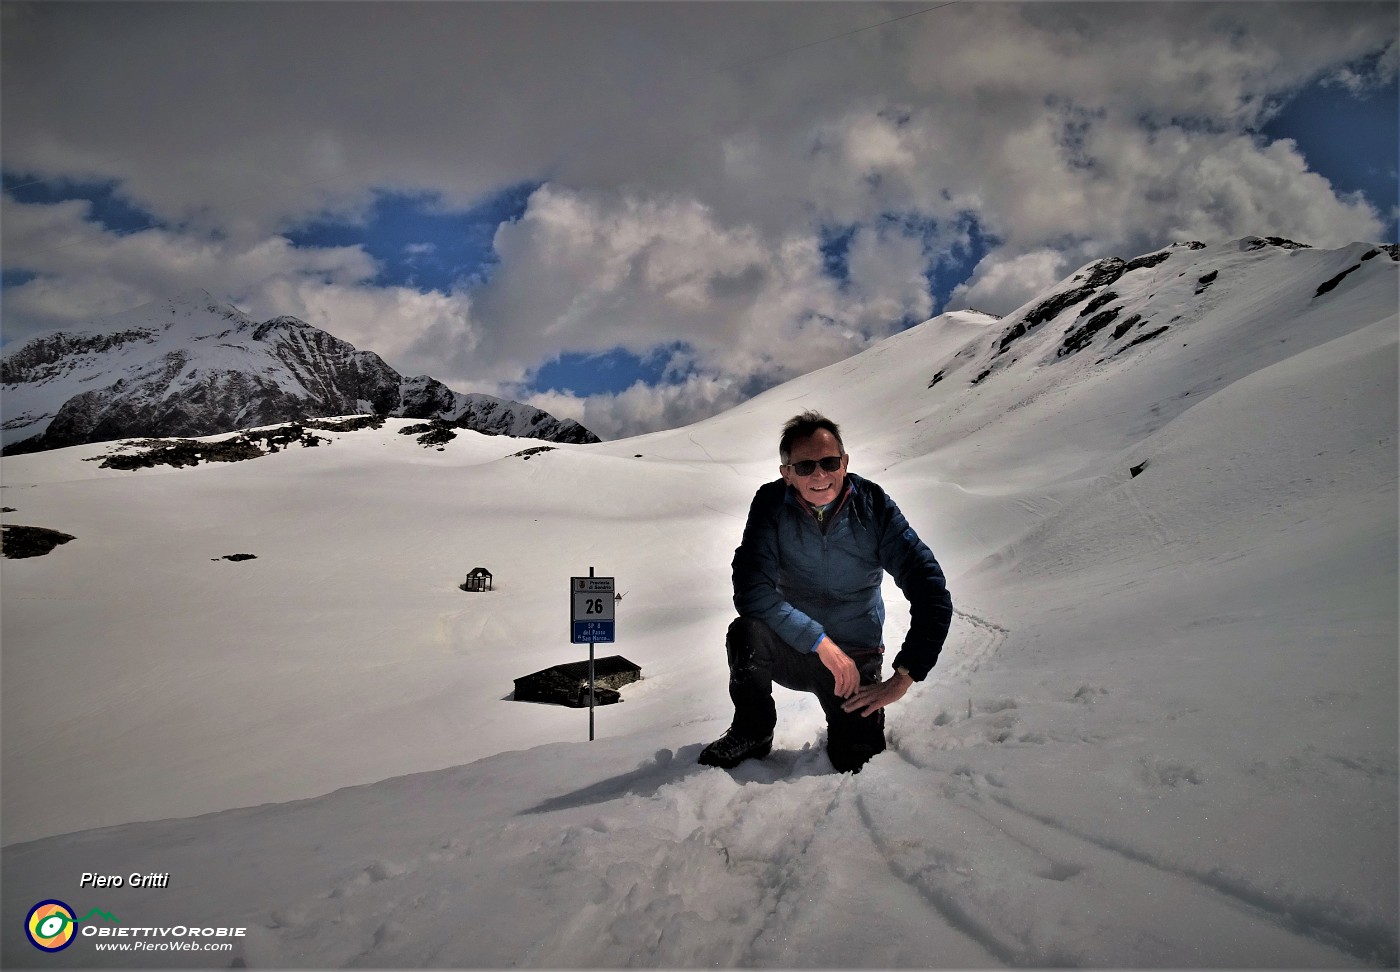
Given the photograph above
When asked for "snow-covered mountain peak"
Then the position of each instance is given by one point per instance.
(187, 314)
(190, 364)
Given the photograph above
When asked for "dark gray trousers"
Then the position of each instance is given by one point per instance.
(758, 658)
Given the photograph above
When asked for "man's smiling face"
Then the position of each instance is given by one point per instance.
(821, 487)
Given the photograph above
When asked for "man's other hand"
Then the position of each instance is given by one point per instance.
(840, 665)
(872, 698)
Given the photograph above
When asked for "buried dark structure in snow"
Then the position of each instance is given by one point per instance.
(478, 580)
(567, 684)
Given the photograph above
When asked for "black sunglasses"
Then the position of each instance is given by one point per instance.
(808, 466)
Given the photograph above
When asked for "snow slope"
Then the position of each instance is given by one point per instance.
(1162, 733)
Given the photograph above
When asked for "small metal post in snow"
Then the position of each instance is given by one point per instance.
(594, 617)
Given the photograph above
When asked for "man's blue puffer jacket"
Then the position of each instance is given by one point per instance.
(803, 581)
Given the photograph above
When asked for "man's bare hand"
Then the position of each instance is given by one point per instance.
(840, 665)
(875, 697)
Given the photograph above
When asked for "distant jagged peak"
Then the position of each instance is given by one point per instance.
(286, 324)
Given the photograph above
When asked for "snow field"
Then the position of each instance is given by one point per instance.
(1162, 733)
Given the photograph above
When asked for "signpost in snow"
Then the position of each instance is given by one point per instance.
(594, 617)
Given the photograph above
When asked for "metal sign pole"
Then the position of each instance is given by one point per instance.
(591, 691)
(593, 618)
(592, 684)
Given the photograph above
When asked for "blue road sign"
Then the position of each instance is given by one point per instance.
(594, 610)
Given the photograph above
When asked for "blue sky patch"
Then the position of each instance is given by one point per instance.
(835, 243)
(1352, 139)
(419, 244)
(16, 278)
(113, 213)
(956, 267)
(614, 371)
(943, 274)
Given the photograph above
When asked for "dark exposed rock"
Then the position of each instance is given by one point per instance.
(1080, 337)
(425, 397)
(182, 452)
(1330, 285)
(1105, 272)
(35, 443)
(1126, 326)
(45, 358)
(18, 542)
(1098, 275)
(1259, 243)
(527, 453)
(236, 558)
(1102, 300)
(1011, 335)
(1143, 262)
(434, 433)
(178, 453)
(1144, 337)
(1393, 249)
(936, 379)
(1136, 471)
(1136, 341)
(1206, 281)
(352, 424)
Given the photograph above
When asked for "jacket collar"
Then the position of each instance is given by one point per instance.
(852, 488)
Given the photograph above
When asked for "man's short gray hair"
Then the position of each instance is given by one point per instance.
(804, 426)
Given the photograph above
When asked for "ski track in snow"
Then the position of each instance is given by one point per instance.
(640, 880)
(1071, 886)
(974, 812)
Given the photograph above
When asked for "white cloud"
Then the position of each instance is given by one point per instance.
(683, 200)
(1360, 80)
(86, 271)
(1003, 283)
(643, 408)
(390, 321)
(594, 271)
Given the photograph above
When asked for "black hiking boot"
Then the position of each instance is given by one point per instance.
(731, 749)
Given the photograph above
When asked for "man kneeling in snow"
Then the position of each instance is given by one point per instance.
(807, 587)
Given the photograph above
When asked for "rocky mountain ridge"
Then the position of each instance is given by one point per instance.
(191, 365)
